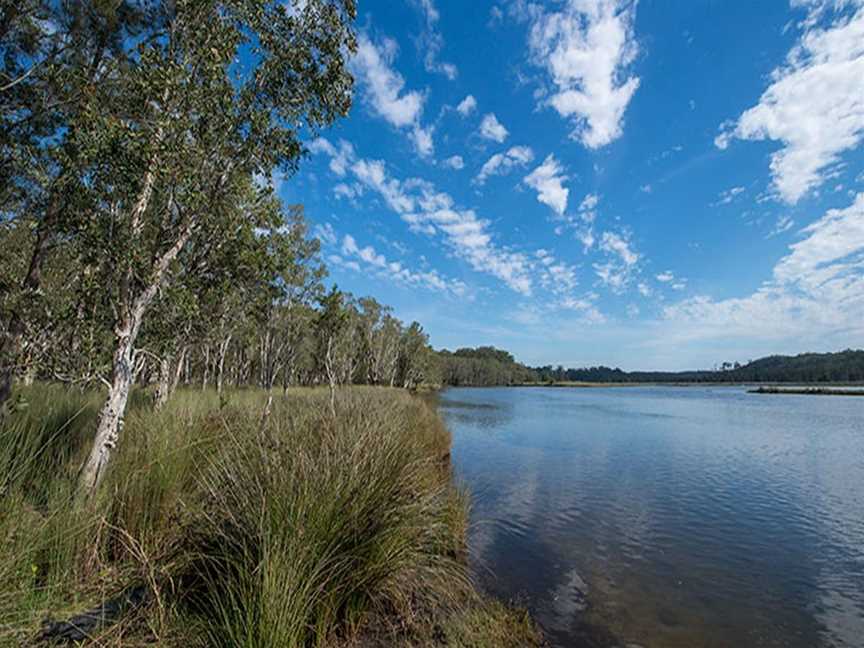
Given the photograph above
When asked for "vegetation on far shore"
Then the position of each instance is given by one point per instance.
(808, 391)
(491, 366)
(301, 529)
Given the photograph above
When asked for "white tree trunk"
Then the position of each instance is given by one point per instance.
(111, 416)
(123, 370)
(332, 378)
(163, 389)
(206, 367)
(178, 370)
(220, 376)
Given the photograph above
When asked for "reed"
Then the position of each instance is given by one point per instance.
(298, 529)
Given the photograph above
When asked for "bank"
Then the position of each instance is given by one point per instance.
(219, 527)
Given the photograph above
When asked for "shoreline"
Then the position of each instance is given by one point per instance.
(807, 391)
(804, 388)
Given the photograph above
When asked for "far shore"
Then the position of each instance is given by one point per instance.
(839, 389)
(809, 391)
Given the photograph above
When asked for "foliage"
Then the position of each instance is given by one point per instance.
(482, 366)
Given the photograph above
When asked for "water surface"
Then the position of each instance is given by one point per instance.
(668, 517)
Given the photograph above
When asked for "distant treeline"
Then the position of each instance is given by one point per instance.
(844, 366)
(482, 366)
(491, 366)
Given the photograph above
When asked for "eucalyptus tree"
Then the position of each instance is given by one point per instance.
(297, 271)
(52, 55)
(216, 93)
(330, 325)
(416, 363)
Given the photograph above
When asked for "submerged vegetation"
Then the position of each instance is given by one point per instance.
(301, 529)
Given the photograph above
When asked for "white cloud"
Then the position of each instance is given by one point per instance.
(338, 261)
(817, 290)
(393, 270)
(728, 195)
(322, 145)
(350, 191)
(586, 48)
(583, 223)
(783, 224)
(547, 179)
(814, 105)
(373, 174)
(431, 41)
(555, 275)
(503, 163)
(431, 212)
(492, 129)
(617, 244)
(589, 202)
(455, 162)
(384, 87)
(422, 138)
(467, 105)
(325, 233)
(618, 270)
(828, 250)
(586, 306)
(339, 157)
(588, 206)
(612, 275)
(586, 237)
(669, 278)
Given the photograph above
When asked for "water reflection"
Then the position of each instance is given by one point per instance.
(666, 516)
(478, 415)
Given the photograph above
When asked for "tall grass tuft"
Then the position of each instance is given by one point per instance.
(294, 530)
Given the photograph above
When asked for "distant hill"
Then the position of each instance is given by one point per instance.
(490, 366)
(843, 366)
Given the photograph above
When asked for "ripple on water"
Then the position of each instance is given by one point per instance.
(669, 517)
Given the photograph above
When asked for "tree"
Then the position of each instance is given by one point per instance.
(180, 132)
(51, 57)
(329, 326)
(415, 357)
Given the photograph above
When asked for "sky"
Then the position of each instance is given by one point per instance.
(650, 185)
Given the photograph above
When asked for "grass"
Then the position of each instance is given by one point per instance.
(300, 530)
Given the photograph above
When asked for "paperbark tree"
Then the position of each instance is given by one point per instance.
(186, 129)
(50, 55)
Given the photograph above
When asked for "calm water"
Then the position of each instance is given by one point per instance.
(668, 517)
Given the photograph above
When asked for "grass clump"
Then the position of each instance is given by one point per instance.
(297, 530)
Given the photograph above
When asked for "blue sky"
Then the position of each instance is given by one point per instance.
(650, 184)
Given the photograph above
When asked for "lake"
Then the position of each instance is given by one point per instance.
(665, 516)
